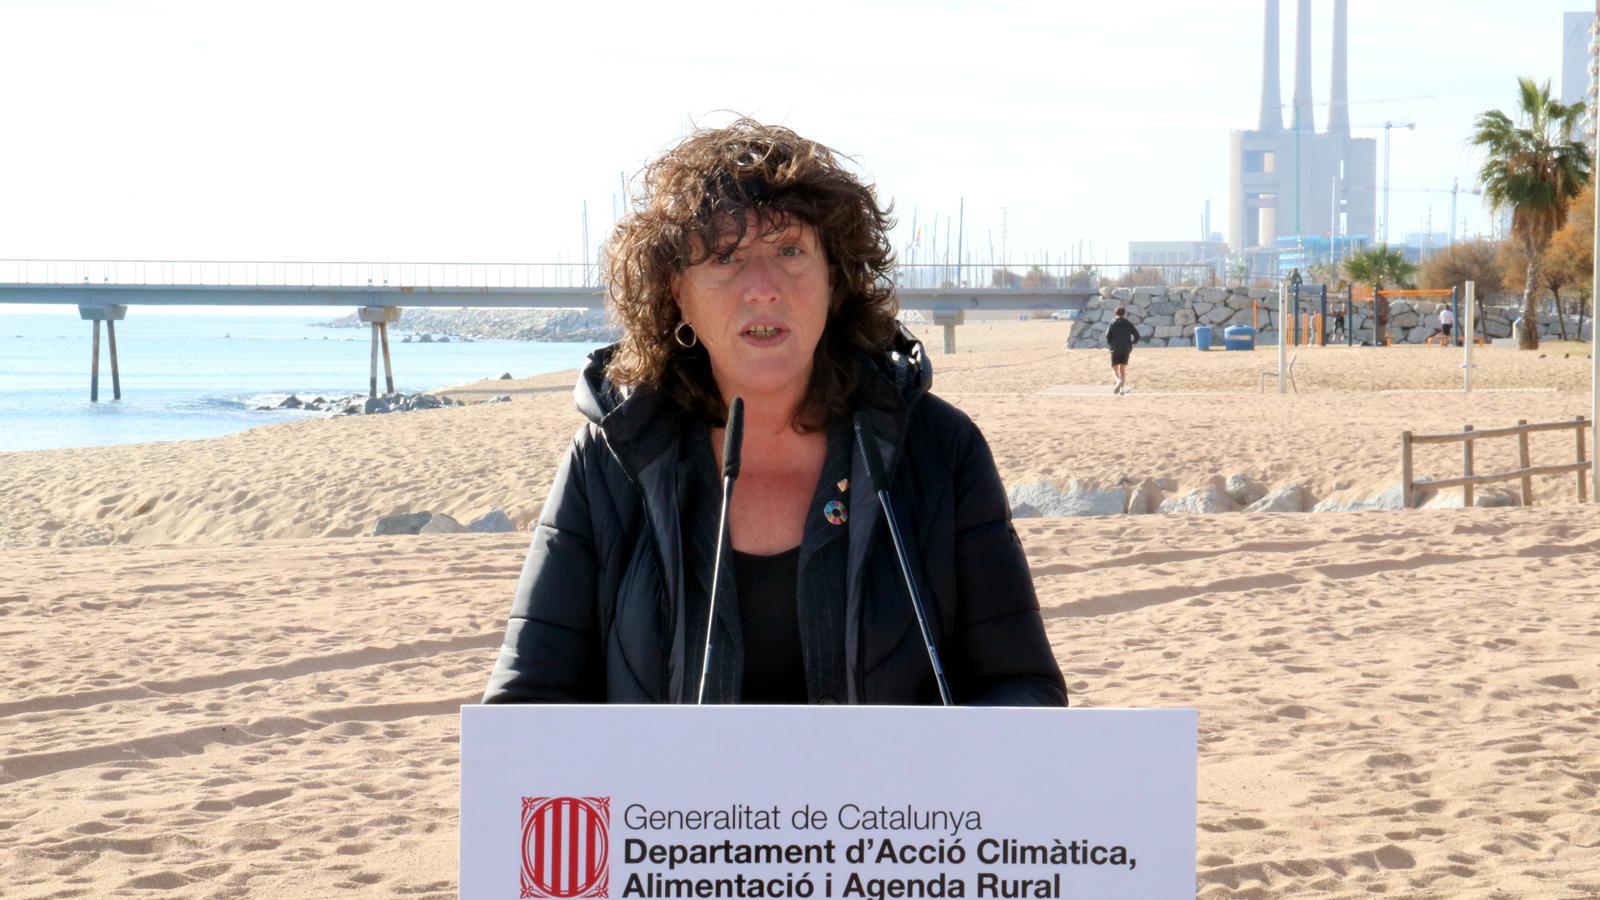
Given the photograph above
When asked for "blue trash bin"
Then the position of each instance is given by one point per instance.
(1239, 337)
(1202, 337)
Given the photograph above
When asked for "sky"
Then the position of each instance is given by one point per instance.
(477, 131)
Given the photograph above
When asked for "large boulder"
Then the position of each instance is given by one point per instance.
(1289, 498)
(1041, 498)
(1145, 498)
(400, 523)
(493, 521)
(1390, 497)
(1085, 499)
(1243, 490)
(442, 524)
(1210, 498)
(1450, 498)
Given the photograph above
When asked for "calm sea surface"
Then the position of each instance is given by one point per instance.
(199, 375)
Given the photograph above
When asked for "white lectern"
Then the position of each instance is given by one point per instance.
(816, 803)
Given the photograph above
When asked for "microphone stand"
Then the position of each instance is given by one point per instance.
(732, 445)
(867, 443)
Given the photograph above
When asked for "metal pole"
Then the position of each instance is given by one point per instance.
(1455, 310)
(1349, 315)
(1283, 347)
(1466, 355)
(961, 233)
(1296, 309)
(1322, 318)
(1594, 358)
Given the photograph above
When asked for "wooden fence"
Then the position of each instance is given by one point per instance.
(1468, 480)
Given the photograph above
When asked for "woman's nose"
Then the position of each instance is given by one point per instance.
(760, 283)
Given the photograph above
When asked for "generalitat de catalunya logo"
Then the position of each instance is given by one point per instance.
(565, 843)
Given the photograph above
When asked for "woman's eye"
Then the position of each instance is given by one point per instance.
(723, 259)
(789, 251)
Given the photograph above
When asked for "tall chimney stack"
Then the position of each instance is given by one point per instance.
(1271, 103)
(1302, 67)
(1339, 98)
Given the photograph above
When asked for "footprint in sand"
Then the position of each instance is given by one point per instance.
(160, 881)
(1565, 682)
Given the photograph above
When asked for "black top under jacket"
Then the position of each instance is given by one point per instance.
(774, 667)
(609, 591)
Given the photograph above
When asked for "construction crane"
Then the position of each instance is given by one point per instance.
(1383, 233)
(1453, 190)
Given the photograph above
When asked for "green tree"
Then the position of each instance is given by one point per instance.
(1380, 267)
(1533, 167)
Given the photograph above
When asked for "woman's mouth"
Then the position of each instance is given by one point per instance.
(765, 335)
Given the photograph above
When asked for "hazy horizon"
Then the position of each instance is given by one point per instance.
(388, 132)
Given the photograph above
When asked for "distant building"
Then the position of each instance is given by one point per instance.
(1175, 253)
(1296, 183)
(1576, 28)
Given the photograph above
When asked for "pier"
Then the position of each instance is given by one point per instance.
(105, 290)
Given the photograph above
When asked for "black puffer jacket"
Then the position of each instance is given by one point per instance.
(604, 577)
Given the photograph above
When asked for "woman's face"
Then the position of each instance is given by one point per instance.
(759, 308)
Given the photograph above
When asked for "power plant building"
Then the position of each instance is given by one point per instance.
(1294, 188)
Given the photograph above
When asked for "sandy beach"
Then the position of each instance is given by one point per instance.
(218, 686)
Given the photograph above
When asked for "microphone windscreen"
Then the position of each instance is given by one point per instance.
(867, 446)
(733, 441)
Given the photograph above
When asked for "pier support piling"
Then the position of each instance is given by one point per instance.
(94, 365)
(108, 314)
(949, 318)
(111, 343)
(388, 367)
(379, 318)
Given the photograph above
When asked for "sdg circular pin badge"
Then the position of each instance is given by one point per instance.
(835, 512)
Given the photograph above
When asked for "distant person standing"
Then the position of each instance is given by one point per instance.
(1447, 322)
(1120, 337)
(1338, 323)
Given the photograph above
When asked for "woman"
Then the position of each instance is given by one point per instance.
(755, 266)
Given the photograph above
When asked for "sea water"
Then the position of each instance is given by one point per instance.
(197, 375)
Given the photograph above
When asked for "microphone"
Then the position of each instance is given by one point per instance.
(732, 447)
(867, 444)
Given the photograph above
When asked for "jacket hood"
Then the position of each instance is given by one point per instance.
(630, 418)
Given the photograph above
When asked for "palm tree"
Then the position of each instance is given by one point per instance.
(1378, 266)
(1534, 167)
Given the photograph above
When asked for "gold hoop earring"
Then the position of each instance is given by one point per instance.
(677, 335)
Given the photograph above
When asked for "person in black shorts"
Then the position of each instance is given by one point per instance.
(1120, 337)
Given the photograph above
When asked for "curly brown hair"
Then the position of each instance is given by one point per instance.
(693, 205)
